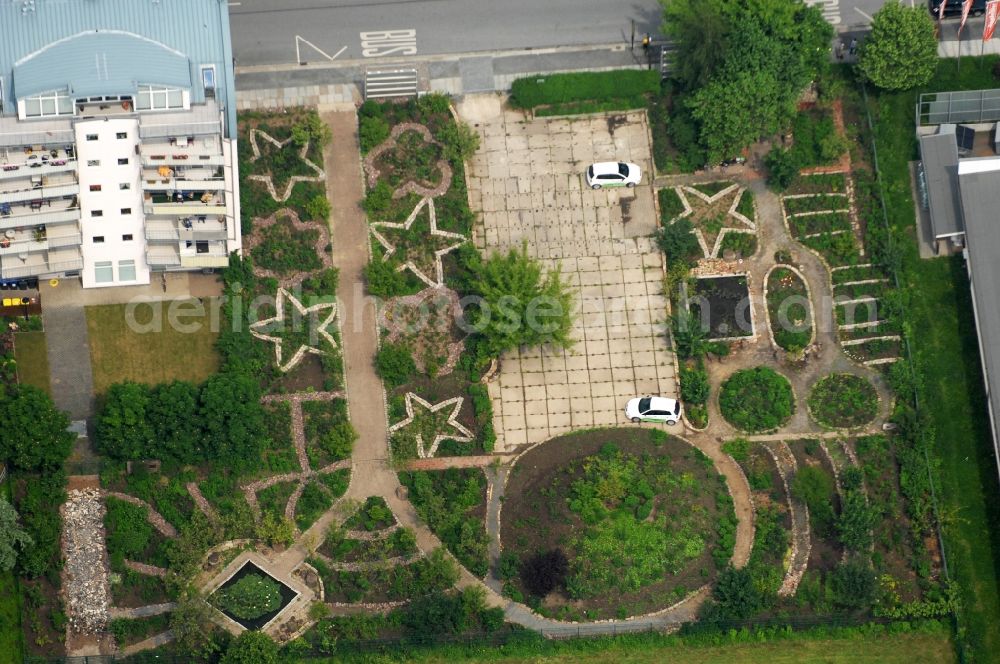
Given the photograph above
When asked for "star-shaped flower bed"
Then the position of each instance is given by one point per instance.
(417, 244)
(284, 164)
(712, 216)
(430, 424)
(296, 329)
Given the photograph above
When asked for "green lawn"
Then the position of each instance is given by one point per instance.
(840, 647)
(118, 353)
(11, 644)
(947, 356)
(32, 359)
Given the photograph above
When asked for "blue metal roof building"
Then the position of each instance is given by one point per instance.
(111, 47)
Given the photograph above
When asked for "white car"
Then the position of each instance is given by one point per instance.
(613, 174)
(653, 409)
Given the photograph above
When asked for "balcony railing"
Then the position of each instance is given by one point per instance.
(192, 208)
(163, 258)
(16, 271)
(68, 240)
(14, 171)
(36, 218)
(22, 247)
(212, 259)
(173, 184)
(40, 193)
(167, 159)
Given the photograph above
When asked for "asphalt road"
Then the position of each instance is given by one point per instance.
(274, 32)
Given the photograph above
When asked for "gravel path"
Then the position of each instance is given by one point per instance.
(85, 575)
(152, 642)
(202, 502)
(155, 518)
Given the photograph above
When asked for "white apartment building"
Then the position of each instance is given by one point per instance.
(117, 140)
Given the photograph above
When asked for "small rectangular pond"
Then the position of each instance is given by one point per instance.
(287, 595)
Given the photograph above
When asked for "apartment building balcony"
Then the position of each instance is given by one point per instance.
(13, 171)
(199, 120)
(174, 159)
(39, 238)
(188, 203)
(193, 228)
(55, 212)
(188, 254)
(40, 263)
(157, 183)
(36, 193)
(163, 256)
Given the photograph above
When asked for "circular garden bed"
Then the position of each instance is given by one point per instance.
(757, 399)
(613, 523)
(843, 401)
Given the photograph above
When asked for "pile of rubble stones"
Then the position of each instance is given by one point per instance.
(85, 581)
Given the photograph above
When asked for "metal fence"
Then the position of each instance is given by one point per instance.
(969, 106)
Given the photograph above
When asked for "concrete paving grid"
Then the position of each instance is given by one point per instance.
(527, 181)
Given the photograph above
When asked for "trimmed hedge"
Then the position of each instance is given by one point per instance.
(533, 91)
(756, 400)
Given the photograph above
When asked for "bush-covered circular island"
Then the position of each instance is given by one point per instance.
(843, 401)
(613, 523)
(757, 399)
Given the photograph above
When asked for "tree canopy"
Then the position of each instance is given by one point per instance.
(521, 305)
(12, 536)
(34, 437)
(251, 647)
(901, 51)
(741, 66)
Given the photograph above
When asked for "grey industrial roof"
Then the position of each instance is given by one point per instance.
(940, 157)
(198, 30)
(101, 63)
(980, 183)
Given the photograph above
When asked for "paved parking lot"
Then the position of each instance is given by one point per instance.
(526, 181)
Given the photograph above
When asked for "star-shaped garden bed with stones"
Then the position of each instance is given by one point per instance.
(712, 216)
(430, 424)
(296, 329)
(417, 244)
(285, 162)
(427, 323)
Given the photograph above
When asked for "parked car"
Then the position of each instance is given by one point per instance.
(613, 174)
(954, 7)
(653, 409)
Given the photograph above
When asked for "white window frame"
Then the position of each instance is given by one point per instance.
(54, 96)
(104, 265)
(215, 79)
(123, 265)
(158, 98)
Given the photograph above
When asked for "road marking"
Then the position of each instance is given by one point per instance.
(380, 43)
(870, 19)
(298, 56)
(830, 9)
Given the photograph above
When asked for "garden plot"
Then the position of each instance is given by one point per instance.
(721, 215)
(526, 180)
(790, 317)
(815, 483)
(722, 307)
(647, 522)
(771, 555)
(819, 213)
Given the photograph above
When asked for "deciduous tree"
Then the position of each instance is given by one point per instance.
(901, 51)
(34, 437)
(12, 536)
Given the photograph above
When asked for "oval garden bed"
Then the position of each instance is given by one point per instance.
(843, 401)
(789, 311)
(613, 523)
(757, 399)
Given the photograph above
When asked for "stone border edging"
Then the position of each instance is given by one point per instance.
(844, 430)
(268, 179)
(255, 239)
(372, 173)
(794, 574)
(812, 307)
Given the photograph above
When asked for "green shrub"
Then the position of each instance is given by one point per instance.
(782, 168)
(460, 141)
(815, 487)
(670, 204)
(384, 280)
(853, 584)
(694, 386)
(394, 364)
(378, 199)
(253, 596)
(738, 448)
(678, 242)
(736, 595)
(533, 91)
(128, 529)
(318, 209)
(372, 131)
(758, 399)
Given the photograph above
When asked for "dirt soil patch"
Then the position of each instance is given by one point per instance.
(537, 517)
(723, 303)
